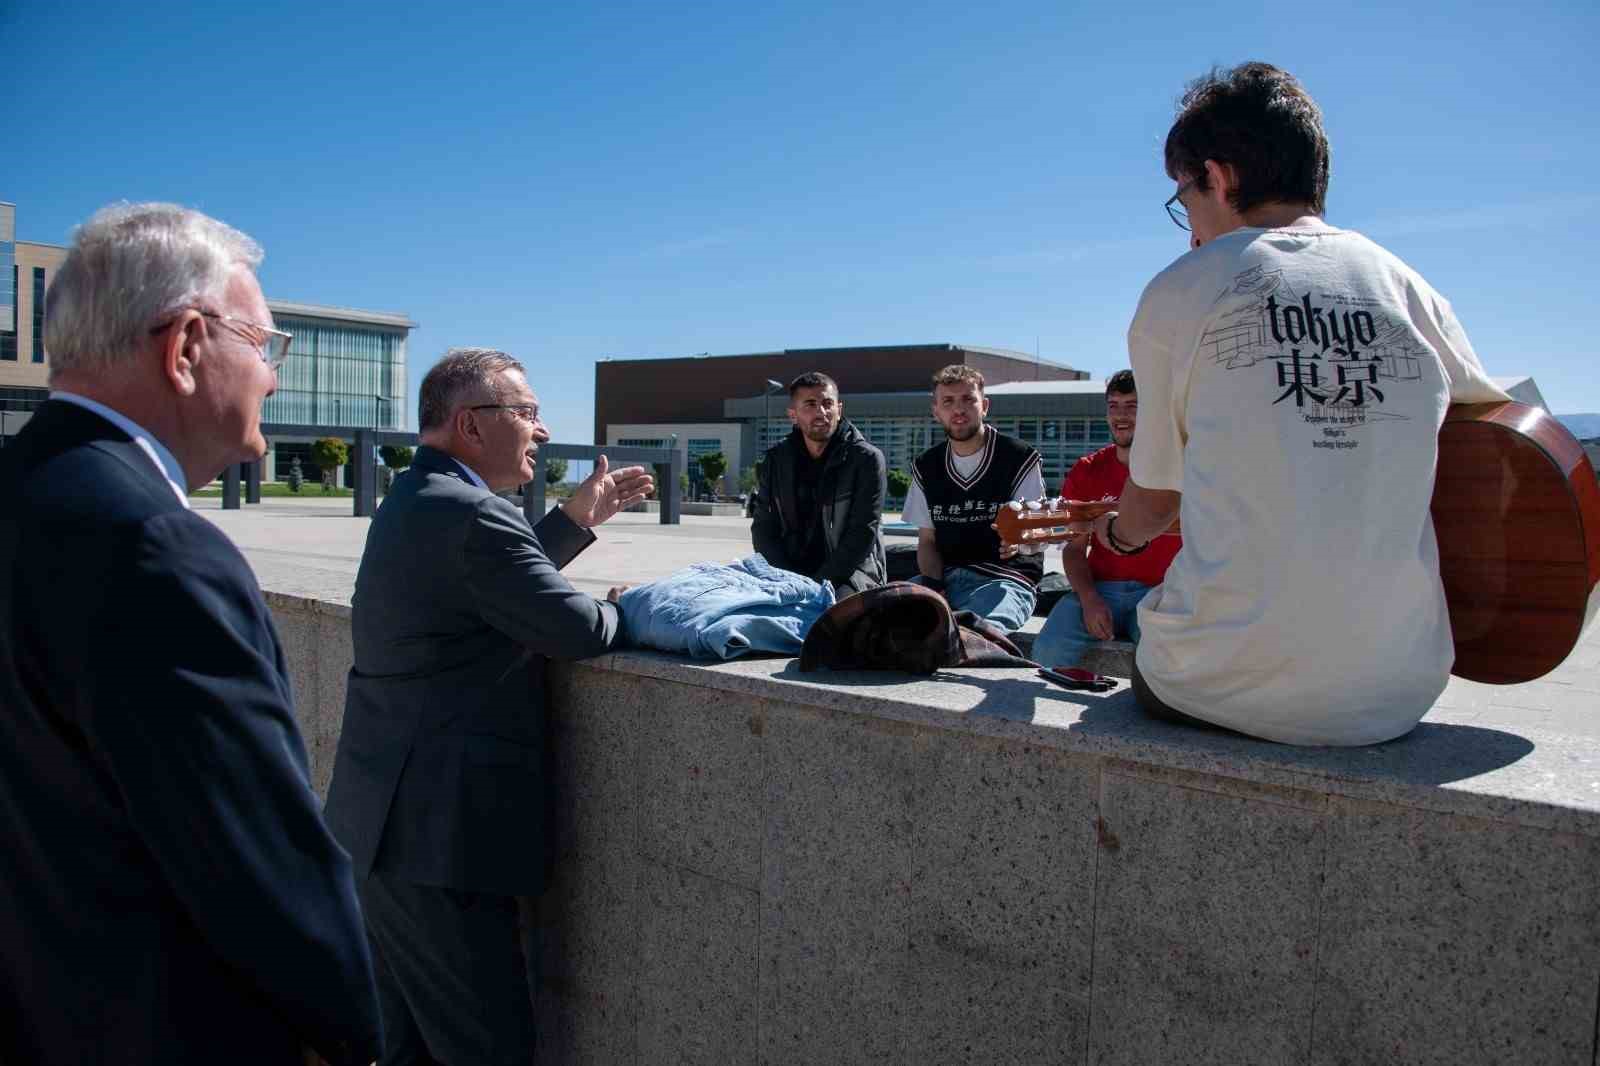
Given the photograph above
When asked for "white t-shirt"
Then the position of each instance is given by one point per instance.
(1292, 383)
(915, 511)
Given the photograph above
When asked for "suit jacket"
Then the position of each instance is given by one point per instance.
(171, 893)
(458, 603)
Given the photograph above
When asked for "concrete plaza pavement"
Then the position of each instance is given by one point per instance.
(311, 546)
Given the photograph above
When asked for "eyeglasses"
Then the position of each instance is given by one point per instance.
(526, 411)
(273, 347)
(1175, 209)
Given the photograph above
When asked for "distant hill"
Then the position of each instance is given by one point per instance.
(1582, 426)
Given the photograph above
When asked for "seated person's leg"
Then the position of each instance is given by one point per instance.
(1007, 604)
(1063, 639)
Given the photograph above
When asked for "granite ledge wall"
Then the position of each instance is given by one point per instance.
(746, 874)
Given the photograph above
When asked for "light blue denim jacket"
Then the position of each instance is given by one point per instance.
(721, 611)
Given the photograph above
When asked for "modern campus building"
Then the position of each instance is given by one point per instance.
(734, 404)
(346, 368)
(26, 270)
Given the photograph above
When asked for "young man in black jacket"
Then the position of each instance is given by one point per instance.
(819, 501)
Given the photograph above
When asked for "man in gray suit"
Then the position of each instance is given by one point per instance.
(437, 789)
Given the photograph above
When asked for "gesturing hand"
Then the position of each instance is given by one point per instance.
(605, 492)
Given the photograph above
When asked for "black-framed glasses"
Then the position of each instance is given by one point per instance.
(1175, 209)
(273, 347)
(526, 411)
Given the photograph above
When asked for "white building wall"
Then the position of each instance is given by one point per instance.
(725, 433)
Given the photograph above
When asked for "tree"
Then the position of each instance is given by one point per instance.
(747, 480)
(899, 484)
(395, 456)
(329, 453)
(712, 467)
(296, 478)
(683, 486)
(555, 471)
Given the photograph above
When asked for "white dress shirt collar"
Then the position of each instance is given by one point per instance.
(165, 462)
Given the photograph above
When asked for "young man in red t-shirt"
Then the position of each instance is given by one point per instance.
(1106, 587)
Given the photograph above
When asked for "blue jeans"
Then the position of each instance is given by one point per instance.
(1064, 639)
(1006, 603)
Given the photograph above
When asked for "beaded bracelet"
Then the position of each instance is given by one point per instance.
(1117, 545)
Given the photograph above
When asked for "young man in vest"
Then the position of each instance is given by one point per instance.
(1106, 587)
(1294, 377)
(956, 489)
(819, 504)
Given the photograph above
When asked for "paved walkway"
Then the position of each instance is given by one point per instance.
(311, 547)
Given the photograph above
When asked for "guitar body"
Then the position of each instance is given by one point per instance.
(1516, 509)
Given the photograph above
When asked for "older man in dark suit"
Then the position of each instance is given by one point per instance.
(437, 789)
(171, 894)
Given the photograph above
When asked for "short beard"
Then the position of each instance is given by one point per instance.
(817, 436)
(963, 435)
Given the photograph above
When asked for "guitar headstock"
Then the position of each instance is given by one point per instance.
(1038, 522)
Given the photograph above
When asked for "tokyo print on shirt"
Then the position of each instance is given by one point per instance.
(1292, 383)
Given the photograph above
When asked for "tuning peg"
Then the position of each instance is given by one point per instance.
(1034, 505)
(1015, 505)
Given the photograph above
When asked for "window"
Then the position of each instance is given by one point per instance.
(8, 333)
(641, 442)
(697, 447)
(38, 314)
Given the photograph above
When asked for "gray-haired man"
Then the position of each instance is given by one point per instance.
(437, 789)
(171, 893)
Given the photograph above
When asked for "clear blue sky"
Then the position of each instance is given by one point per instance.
(572, 182)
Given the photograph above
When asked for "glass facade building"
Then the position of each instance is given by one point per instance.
(345, 368)
(26, 268)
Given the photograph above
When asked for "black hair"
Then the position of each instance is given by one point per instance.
(812, 379)
(1121, 382)
(1262, 122)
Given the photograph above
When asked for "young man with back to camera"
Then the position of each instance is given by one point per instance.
(1293, 378)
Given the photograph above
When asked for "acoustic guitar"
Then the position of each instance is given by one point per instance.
(1516, 509)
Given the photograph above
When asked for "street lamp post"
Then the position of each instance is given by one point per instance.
(767, 392)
